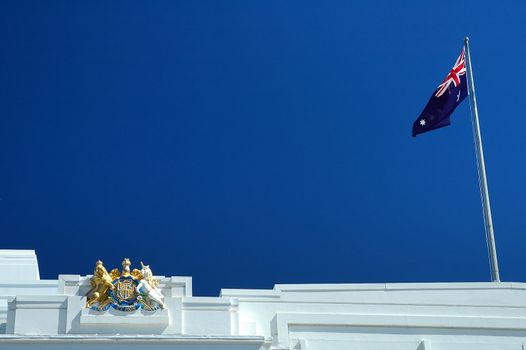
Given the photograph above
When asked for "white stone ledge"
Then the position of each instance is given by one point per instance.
(310, 288)
(285, 320)
(280, 291)
(208, 303)
(37, 302)
(300, 302)
(260, 293)
(113, 317)
(484, 294)
(30, 284)
(17, 252)
(134, 339)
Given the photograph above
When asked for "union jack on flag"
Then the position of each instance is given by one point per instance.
(454, 75)
(448, 95)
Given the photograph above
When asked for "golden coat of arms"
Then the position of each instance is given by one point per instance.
(124, 290)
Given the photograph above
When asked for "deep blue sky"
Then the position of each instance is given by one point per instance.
(250, 143)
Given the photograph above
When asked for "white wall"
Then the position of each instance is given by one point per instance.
(51, 314)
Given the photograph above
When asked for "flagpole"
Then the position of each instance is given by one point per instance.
(481, 168)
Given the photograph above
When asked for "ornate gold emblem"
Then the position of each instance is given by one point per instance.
(125, 291)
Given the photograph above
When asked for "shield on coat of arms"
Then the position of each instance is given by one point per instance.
(125, 289)
(124, 295)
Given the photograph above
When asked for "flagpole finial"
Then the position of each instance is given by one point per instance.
(466, 40)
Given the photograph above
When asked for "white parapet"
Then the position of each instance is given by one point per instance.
(211, 316)
(410, 316)
(18, 265)
(36, 314)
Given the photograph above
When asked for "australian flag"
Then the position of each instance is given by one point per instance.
(444, 100)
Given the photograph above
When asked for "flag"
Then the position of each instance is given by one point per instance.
(448, 95)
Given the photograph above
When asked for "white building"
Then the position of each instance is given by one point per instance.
(52, 314)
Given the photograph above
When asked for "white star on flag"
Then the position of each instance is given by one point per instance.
(423, 122)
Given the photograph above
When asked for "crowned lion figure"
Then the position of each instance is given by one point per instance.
(100, 287)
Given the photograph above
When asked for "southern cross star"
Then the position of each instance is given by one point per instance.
(423, 122)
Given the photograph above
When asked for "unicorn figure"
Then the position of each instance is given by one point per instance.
(147, 289)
